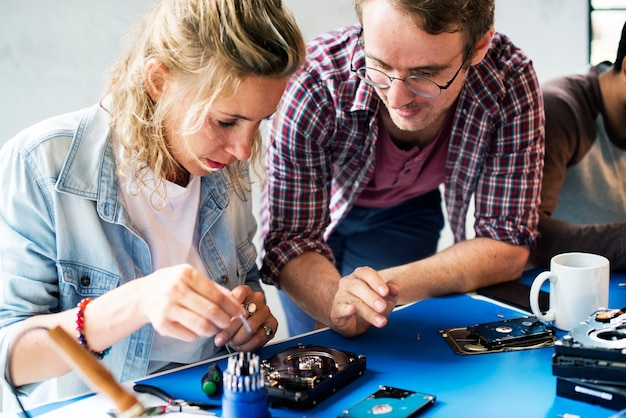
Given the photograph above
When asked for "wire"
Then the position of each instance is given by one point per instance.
(8, 370)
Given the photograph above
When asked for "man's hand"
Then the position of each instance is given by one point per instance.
(363, 299)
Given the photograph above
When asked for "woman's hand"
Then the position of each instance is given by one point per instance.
(182, 303)
(262, 323)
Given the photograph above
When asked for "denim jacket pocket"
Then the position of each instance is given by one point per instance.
(80, 281)
(246, 257)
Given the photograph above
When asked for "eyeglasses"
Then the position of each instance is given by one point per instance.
(418, 85)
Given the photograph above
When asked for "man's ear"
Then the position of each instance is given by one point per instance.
(154, 78)
(481, 47)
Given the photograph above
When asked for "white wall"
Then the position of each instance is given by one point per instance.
(554, 33)
(53, 53)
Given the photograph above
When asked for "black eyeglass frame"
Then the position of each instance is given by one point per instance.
(361, 72)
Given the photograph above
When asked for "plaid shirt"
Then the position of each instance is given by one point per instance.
(323, 139)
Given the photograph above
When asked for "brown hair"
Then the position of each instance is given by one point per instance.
(473, 17)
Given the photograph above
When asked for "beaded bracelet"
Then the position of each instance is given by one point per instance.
(80, 318)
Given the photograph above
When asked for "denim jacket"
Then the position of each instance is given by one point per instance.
(65, 234)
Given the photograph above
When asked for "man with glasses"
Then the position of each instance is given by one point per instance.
(421, 94)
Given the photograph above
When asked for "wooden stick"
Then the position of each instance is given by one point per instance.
(95, 373)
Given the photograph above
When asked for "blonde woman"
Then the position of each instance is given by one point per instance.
(129, 223)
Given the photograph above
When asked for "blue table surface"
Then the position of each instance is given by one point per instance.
(410, 353)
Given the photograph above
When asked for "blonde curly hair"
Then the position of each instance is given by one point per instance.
(209, 46)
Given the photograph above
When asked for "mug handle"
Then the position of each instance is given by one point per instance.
(549, 316)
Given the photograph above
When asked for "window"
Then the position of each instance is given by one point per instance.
(607, 19)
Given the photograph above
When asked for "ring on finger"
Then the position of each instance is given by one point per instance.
(269, 333)
(250, 308)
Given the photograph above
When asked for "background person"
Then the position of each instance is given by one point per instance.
(420, 94)
(141, 203)
(583, 196)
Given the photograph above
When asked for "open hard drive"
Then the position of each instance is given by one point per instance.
(590, 361)
(596, 349)
(302, 376)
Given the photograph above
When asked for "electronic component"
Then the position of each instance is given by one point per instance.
(521, 333)
(300, 377)
(391, 403)
(596, 349)
(590, 360)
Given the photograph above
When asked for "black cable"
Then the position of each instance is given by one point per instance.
(8, 370)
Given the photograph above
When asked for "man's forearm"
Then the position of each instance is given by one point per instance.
(461, 268)
(311, 281)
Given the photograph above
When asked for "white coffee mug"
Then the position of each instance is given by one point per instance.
(579, 286)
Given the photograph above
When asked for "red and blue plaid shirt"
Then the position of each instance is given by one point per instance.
(322, 145)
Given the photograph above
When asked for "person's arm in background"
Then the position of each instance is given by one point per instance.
(559, 237)
(568, 138)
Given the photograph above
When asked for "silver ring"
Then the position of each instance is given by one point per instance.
(269, 333)
(250, 308)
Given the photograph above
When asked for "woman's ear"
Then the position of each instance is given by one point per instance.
(481, 47)
(154, 78)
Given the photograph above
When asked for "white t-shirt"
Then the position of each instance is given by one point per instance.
(170, 230)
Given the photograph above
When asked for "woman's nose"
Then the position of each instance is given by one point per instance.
(241, 146)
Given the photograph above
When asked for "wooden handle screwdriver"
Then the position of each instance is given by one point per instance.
(98, 376)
